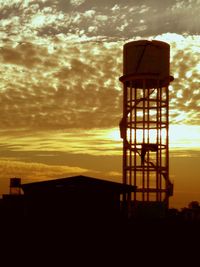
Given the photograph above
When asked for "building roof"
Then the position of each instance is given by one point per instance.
(76, 183)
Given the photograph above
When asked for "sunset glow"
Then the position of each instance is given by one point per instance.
(60, 95)
(180, 137)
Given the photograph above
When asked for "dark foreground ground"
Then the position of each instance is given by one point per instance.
(166, 242)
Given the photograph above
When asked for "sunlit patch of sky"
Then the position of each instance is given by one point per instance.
(96, 141)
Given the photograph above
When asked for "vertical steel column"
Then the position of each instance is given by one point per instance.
(168, 185)
(135, 138)
(131, 134)
(143, 137)
(148, 140)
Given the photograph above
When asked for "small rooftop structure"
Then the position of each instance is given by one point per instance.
(15, 186)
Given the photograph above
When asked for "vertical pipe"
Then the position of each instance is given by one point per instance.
(143, 139)
(148, 133)
(131, 129)
(125, 137)
(162, 128)
(162, 138)
(167, 141)
(160, 141)
(157, 139)
(135, 139)
(125, 141)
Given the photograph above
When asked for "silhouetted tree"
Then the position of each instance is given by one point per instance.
(194, 205)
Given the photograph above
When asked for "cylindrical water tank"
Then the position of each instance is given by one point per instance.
(15, 186)
(146, 57)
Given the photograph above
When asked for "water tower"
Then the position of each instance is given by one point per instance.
(15, 186)
(145, 121)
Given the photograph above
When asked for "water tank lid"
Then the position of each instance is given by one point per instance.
(147, 42)
(15, 182)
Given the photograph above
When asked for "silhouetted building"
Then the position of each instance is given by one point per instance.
(192, 213)
(12, 204)
(12, 207)
(74, 199)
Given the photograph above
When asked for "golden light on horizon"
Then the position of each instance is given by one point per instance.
(180, 136)
(114, 135)
(184, 136)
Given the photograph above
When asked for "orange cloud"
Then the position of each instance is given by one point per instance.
(76, 86)
(25, 54)
(33, 171)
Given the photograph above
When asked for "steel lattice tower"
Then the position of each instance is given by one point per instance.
(145, 121)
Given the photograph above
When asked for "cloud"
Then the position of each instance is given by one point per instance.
(33, 19)
(36, 170)
(77, 2)
(73, 86)
(30, 172)
(24, 54)
(184, 91)
(65, 85)
(24, 144)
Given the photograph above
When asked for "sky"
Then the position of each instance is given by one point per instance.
(60, 95)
